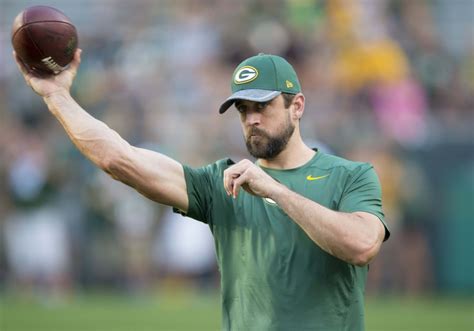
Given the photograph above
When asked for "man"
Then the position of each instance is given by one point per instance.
(294, 231)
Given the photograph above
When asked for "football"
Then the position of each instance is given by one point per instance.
(44, 38)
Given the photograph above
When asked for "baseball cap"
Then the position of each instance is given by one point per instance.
(261, 78)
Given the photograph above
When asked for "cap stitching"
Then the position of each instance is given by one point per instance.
(276, 73)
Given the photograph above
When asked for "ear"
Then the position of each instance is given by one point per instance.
(298, 106)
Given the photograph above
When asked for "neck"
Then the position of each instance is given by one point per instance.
(295, 154)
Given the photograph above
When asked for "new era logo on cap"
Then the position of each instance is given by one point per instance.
(261, 78)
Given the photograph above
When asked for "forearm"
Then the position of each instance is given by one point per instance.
(92, 137)
(346, 236)
(154, 175)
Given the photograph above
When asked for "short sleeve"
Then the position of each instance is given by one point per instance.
(203, 185)
(199, 188)
(363, 193)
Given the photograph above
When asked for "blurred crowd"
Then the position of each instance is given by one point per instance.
(389, 82)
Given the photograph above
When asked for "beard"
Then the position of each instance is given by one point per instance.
(262, 145)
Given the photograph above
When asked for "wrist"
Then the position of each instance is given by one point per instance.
(279, 192)
(57, 97)
(58, 101)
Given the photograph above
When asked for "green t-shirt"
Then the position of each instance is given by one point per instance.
(273, 276)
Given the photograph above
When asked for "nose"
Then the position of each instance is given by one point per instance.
(252, 118)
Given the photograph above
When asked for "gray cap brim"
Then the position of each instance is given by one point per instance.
(250, 95)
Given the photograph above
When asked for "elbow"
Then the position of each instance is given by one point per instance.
(114, 165)
(366, 252)
(367, 244)
(362, 260)
(117, 160)
(108, 163)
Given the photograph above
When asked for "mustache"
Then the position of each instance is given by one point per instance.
(254, 131)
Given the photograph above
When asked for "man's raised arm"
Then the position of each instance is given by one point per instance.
(156, 176)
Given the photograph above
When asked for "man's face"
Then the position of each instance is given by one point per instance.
(267, 126)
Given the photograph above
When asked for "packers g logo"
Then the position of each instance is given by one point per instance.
(245, 74)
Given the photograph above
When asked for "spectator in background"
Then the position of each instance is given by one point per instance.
(36, 235)
(184, 252)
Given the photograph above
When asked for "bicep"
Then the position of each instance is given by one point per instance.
(156, 176)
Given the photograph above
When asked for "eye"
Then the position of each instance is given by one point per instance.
(261, 105)
(241, 108)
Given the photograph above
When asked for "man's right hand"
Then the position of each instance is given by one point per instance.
(46, 86)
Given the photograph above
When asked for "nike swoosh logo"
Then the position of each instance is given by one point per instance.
(316, 178)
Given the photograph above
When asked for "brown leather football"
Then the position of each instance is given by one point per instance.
(44, 39)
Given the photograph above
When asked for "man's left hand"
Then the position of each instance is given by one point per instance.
(250, 177)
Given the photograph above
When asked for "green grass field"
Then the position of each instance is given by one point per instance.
(193, 311)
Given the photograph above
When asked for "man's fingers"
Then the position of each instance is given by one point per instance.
(229, 183)
(76, 61)
(236, 186)
(238, 182)
(233, 177)
(226, 182)
(24, 70)
(229, 175)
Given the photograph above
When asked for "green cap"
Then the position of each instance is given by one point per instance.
(261, 78)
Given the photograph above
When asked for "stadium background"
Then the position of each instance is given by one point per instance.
(386, 81)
